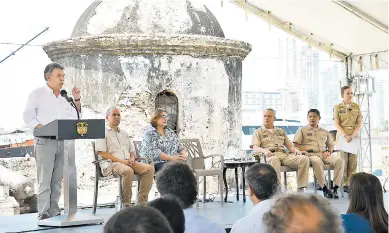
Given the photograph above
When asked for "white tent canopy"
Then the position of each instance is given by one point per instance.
(349, 30)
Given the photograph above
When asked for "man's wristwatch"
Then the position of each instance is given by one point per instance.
(77, 99)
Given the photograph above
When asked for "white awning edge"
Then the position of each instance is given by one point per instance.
(321, 44)
(373, 60)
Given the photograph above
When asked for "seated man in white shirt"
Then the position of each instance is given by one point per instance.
(263, 184)
(44, 105)
(119, 149)
(177, 179)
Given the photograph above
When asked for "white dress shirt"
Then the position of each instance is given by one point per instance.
(44, 107)
(195, 223)
(253, 222)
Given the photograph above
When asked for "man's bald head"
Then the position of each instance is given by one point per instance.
(296, 213)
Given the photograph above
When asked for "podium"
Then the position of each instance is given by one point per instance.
(66, 132)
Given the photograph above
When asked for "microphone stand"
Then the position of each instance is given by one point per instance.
(75, 107)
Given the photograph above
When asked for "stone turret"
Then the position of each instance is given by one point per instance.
(144, 54)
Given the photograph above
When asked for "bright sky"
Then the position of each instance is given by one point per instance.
(20, 20)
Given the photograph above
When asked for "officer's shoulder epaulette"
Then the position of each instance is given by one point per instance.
(354, 104)
(279, 129)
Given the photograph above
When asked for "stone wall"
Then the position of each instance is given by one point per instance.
(208, 91)
(147, 17)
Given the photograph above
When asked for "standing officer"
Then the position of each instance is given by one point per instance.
(348, 122)
(271, 141)
(44, 105)
(316, 143)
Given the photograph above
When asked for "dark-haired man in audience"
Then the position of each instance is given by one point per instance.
(316, 143)
(178, 179)
(297, 213)
(171, 207)
(138, 219)
(262, 182)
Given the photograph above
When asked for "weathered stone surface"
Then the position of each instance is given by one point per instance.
(20, 186)
(9, 206)
(25, 166)
(4, 191)
(153, 44)
(208, 92)
(147, 17)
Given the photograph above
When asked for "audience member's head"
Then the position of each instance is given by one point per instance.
(138, 219)
(178, 179)
(113, 116)
(296, 213)
(262, 182)
(171, 207)
(159, 117)
(366, 199)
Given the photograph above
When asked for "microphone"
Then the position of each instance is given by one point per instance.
(65, 95)
(70, 100)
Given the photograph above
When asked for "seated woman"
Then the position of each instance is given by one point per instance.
(366, 212)
(161, 144)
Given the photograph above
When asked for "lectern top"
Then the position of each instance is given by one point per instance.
(69, 129)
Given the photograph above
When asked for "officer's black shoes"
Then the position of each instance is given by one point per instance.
(327, 192)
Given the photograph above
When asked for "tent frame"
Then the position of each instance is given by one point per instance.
(361, 83)
(367, 61)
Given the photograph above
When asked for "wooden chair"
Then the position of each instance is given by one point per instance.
(137, 145)
(99, 176)
(196, 161)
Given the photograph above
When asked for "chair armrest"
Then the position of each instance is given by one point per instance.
(210, 156)
(102, 160)
(259, 155)
(216, 155)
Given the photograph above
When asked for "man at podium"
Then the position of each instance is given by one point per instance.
(44, 105)
(118, 148)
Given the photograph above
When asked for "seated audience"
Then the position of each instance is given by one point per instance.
(119, 150)
(138, 219)
(366, 212)
(176, 178)
(171, 207)
(315, 142)
(262, 185)
(296, 213)
(160, 143)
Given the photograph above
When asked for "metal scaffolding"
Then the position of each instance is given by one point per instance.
(363, 87)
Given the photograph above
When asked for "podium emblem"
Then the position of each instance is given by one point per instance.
(82, 128)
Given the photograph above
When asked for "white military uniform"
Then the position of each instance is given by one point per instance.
(42, 108)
